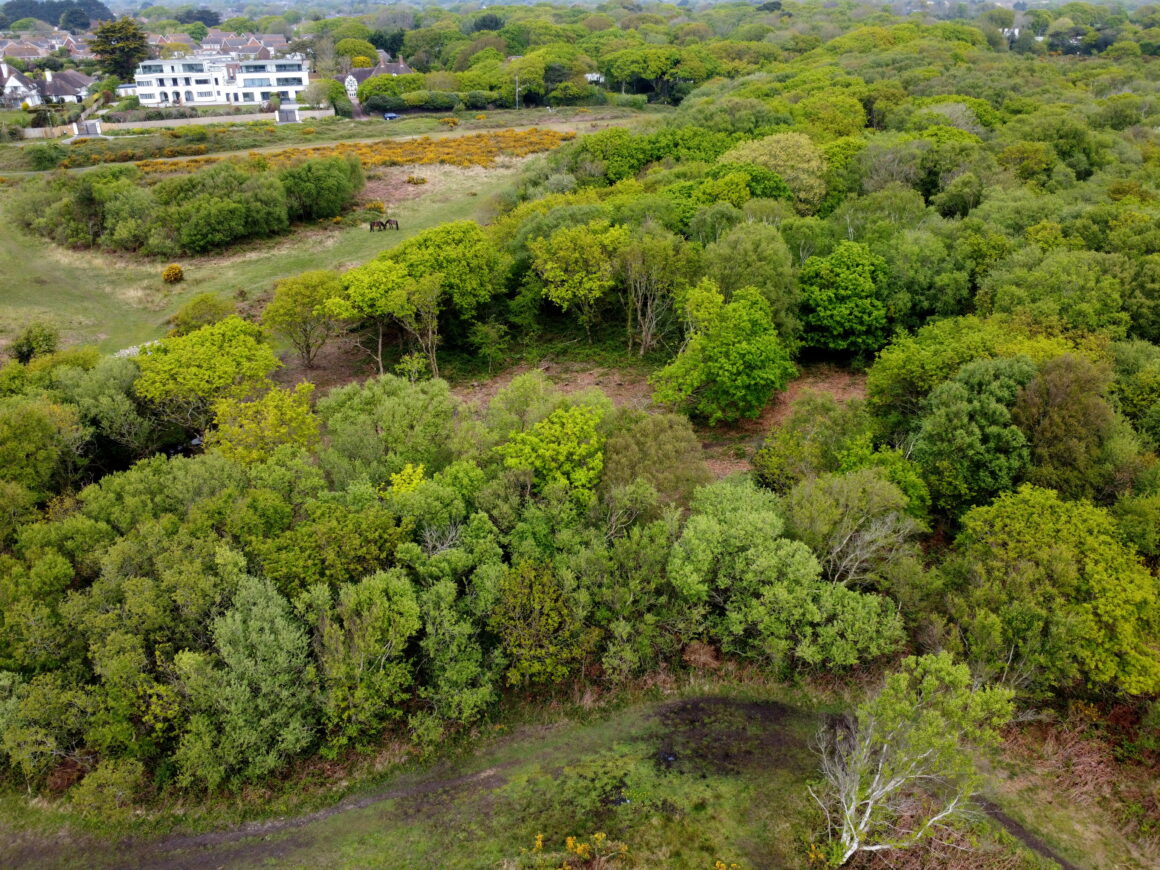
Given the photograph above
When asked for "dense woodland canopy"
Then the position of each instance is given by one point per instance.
(971, 217)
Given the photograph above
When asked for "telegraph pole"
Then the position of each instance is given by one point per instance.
(517, 90)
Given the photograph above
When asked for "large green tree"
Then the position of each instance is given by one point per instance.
(1051, 597)
(733, 360)
(119, 46)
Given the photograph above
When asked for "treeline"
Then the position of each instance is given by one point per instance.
(115, 208)
(977, 229)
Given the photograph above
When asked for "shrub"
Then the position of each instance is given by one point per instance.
(201, 310)
(46, 156)
(449, 122)
(173, 274)
(416, 179)
(36, 339)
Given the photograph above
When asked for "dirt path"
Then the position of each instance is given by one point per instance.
(1024, 836)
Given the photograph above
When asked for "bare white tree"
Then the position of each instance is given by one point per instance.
(899, 770)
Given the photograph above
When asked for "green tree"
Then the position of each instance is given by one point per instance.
(471, 268)
(355, 48)
(968, 447)
(302, 312)
(1069, 426)
(844, 299)
(1051, 596)
(856, 524)
(759, 594)
(361, 642)
(185, 376)
(36, 339)
(755, 255)
(257, 709)
(321, 188)
(578, 266)
(40, 441)
(565, 447)
(202, 310)
(251, 431)
(119, 46)
(537, 625)
(901, 768)
(655, 268)
(795, 158)
(733, 360)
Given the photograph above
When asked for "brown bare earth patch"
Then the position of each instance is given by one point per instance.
(712, 735)
(729, 449)
(627, 389)
(339, 363)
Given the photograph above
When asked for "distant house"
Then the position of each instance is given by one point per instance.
(213, 80)
(16, 88)
(66, 86)
(356, 77)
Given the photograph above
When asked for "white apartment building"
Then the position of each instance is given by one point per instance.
(207, 81)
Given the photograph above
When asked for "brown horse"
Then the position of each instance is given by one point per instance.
(378, 225)
(390, 223)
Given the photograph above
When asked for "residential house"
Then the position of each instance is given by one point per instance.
(217, 79)
(356, 77)
(65, 86)
(16, 88)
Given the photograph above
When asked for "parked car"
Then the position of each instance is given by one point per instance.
(389, 116)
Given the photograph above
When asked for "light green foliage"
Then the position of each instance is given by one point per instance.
(733, 361)
(759, 593)
(251, 431)
(374, 292)
(470, 267)
(967, 446)
(810, 440)
(655, 269)
(361, 641)
(795, 158)
(578, 266)
(1052, 596)
(183, 377)
(1073, 289)
(256, 709)
(36, 339)
(565, 447)
(460, 682)
(110, 788)
(40, 442)
(844, 299)
(908, 746)
(202, 310)
(301, 311)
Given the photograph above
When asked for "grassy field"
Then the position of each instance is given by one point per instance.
(227, 137)
(687, 778)
(118, 301)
